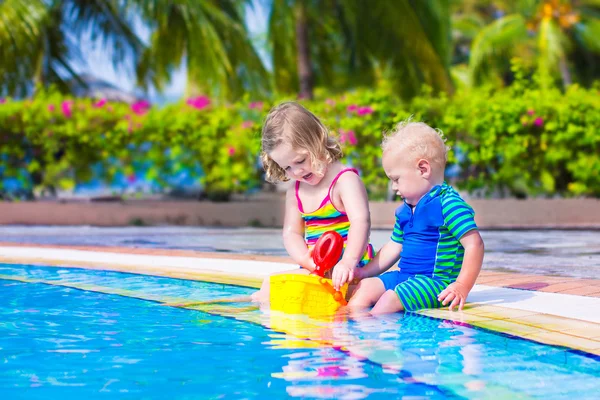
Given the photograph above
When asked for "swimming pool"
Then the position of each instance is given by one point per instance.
(71, 333)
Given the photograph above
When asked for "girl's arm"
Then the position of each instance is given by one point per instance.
(356, 204)
(387, 256)
(293, 233)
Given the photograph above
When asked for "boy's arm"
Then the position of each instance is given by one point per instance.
(456, 293)
(293, 233)
(356, 205)
(387, 256)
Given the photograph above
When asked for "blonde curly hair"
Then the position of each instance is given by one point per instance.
(417, 140)
(290, 122)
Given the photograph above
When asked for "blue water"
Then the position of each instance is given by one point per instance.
(59, 341)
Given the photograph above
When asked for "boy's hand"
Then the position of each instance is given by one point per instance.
(455, 294)
(359, 275)
(342, 273)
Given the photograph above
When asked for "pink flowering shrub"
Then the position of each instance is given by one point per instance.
(518, 140)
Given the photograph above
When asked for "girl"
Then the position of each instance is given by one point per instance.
(325, 196)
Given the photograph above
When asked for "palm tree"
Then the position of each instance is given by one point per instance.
(210, 37)
(333, 43)
(547, 29)
(39, 42)
(344, 43)
(38, 39)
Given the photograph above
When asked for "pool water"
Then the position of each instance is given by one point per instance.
(73, 333)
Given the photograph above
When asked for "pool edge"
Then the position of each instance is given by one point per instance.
(540, 327)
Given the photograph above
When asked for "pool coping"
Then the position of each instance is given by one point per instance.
(551, 310)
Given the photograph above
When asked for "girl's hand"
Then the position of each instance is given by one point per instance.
(456, 293)
(342, 273)
(308, 262)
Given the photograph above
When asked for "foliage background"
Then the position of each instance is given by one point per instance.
(521, 140)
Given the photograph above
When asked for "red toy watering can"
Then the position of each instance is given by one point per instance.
(327, 251)
(326, 254)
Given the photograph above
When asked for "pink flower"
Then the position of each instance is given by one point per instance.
(530, 111)
(352, 138)
(539, 121)
(51, 107)
(330, 102)
(199, 102)
(131, 178)
(231, 150)
(140, 107)
(100, 103)
(247, 124)
(352, 108)
(2, 101)
(364, 110)
(348, 136)
(256, 105)
(67, 108)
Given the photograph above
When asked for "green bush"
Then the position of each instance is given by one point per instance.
(519, 141)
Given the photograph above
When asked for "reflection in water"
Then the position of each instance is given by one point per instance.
(413, 348)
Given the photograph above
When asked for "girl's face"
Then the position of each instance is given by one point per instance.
(296, 164)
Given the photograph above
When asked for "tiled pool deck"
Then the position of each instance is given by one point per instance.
(553, 310)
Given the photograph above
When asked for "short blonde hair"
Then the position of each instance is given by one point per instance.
(418, 140)
(290, 122)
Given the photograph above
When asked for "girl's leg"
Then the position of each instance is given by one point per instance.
(367, 292)
(263, 295)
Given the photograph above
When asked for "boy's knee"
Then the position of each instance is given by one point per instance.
(388, 303)
(367, 292)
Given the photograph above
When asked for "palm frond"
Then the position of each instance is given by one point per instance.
(282, 40)
(392, 37)
(105, 21)
(467, 26)
(588, 34)
(210, 37)
(552, 45)
(493, 41)
(21, 31)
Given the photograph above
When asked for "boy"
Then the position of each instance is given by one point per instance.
(435, 232)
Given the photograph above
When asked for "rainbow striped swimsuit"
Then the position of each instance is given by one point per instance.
(328, 218)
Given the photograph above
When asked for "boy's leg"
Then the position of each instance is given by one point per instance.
(388, 303)
(263, 294)
(416, 293)
(367, 292)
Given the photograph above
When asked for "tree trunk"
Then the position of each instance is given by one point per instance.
(305, 72)
(564, 72)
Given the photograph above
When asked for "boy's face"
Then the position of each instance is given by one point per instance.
(410, 179)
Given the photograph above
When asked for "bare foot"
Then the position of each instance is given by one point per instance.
(257, 297)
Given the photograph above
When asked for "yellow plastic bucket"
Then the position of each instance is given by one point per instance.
(304, 294)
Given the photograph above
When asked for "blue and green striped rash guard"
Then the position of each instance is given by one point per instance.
(430, 236)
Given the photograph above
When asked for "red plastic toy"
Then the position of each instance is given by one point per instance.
(327, 251)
